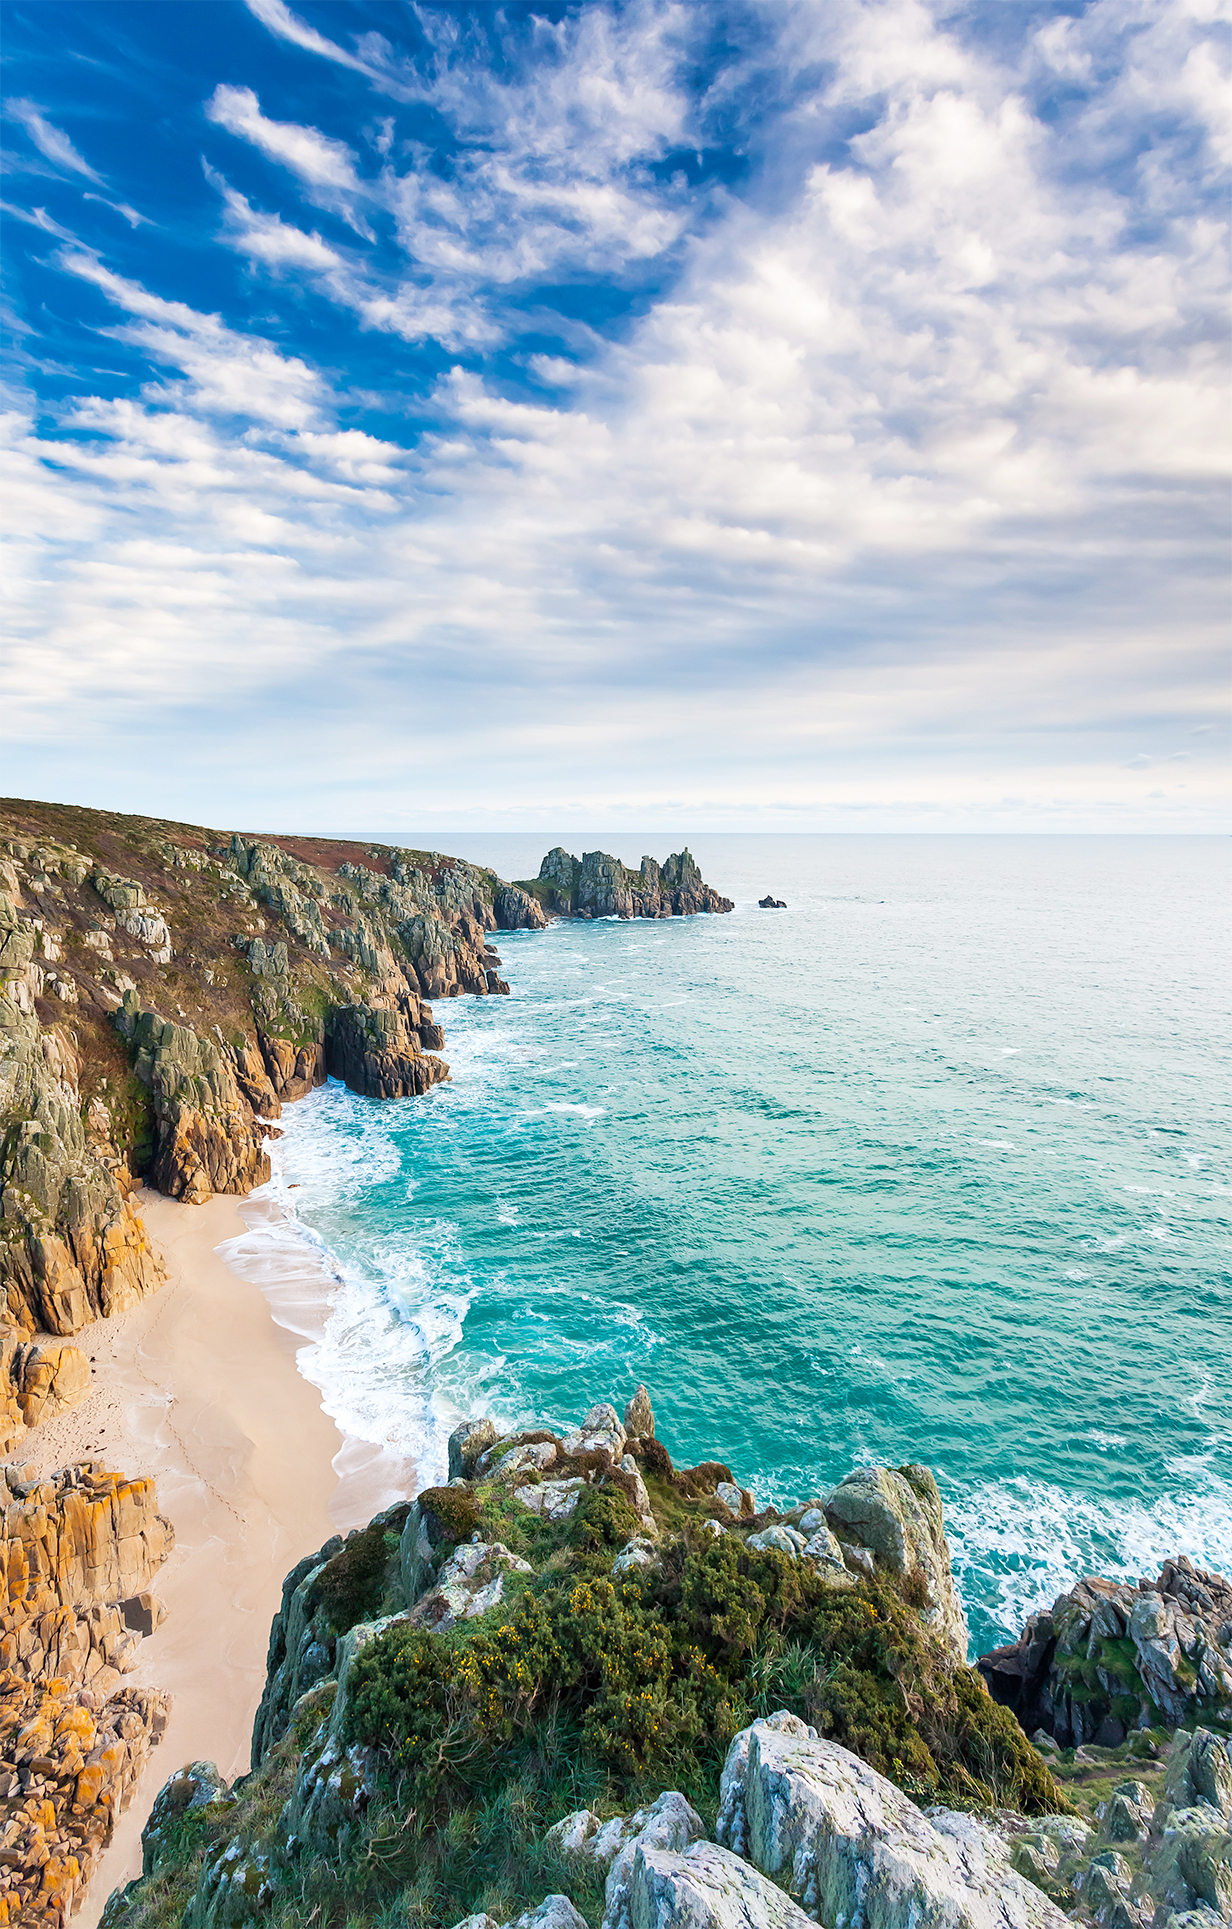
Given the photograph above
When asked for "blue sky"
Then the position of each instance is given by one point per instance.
(782, 415)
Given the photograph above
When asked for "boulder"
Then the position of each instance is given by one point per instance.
(466, 1443)
(554, 1499)
(470, 1582)
(706, 1887)
(897, 1517)
(600, 1432)
(198, 1786)
(554, 1912)
(1199, 1774)
(854, 1848)
(593, 1844)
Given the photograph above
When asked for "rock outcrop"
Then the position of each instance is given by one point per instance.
(896, 1516)
(599, 886)
(208, 1139)
(71, 1248)
(78, 1553)
(573, 1602)
(852, 1847)
(1107, 1657)
(378, 1050)
(240, 972)
(38, 1379)
(771, 904)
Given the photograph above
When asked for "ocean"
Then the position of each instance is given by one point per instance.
(930, 1166)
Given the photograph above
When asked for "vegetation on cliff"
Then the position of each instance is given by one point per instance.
(573, 1623)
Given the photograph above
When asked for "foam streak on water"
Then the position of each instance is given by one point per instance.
(931, 1166)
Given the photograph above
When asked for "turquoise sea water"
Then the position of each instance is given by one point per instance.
(930, 1166)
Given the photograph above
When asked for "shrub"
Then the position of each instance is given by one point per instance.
(602, 1521)
(449, 1513)
(351, 1587)
(655, 1458)
(701, 1480)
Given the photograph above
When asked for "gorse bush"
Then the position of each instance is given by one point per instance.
(654, 1679)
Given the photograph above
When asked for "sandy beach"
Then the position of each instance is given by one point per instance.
(198, 1387)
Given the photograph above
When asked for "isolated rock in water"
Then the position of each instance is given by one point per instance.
(897, 1517)
(771, 904)
(639, 1416)
(856, 1849)
(706, 1887)
(1165, 1643)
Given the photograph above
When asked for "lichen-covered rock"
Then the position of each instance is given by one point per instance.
(599, 1433)
(852, 1846)
(897, 1517)
(208, 1138)
(554, 1499)
(639, 1416)
(70, 1758)
(706, 1887)
(1160, 1651)
(71, 1247)
(670, 1824)
(37, 1380)
(73, 1540)
(471, 1581)
(199, 1785)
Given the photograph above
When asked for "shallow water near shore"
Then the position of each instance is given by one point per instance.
(932, 1165)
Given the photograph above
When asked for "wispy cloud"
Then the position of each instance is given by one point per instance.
(325, 166)
(50, 141)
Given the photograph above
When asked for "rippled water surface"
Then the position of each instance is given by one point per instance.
(929, 1166)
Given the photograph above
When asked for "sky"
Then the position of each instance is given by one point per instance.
(784, 415)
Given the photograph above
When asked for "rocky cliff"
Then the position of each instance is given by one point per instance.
(164, 990)
(579, 1686)
(598, 886)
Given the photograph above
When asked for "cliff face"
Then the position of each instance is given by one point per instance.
(165, 988)
(572, 1618)
(598, 886)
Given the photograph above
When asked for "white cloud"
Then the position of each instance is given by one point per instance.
(904, 479)
(325, 166)
(229, 373)
(49, 140)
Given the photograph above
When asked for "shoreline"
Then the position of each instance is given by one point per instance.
(198, 1388)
